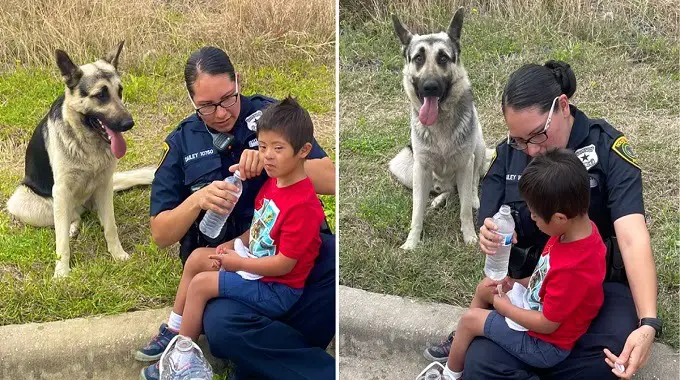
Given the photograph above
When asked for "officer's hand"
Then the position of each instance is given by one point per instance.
(489, 240)
(217, 197)
(250, 165)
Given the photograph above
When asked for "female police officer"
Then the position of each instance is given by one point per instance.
(538, 115)
(221, 137)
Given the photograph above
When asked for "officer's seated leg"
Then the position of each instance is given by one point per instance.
(314, 314)
(252, 341)
(610, 329)
(487, 360)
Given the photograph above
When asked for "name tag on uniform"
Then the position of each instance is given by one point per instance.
(513, 177)
(196, 155)
(251, 121)
(588, 156)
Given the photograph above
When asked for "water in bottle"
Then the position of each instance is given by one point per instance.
(184, 360)
(212, 222)
(496, 266)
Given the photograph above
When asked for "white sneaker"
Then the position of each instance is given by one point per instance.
(434, 371)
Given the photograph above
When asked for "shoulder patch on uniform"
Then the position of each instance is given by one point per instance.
(251, 120)
(491, 161)
(166, 149)
(588, 156)
(623, 149)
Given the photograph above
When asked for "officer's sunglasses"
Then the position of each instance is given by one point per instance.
(540, 137)
(225, 103)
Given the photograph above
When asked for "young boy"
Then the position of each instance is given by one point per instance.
(283, 238)
(564, 293)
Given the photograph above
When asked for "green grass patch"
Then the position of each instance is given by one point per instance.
(156, 97)
(638, 96)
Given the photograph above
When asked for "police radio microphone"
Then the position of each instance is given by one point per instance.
(221, 141)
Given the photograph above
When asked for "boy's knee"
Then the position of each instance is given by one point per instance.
(468, 319)
(200, 281)
(198, 260)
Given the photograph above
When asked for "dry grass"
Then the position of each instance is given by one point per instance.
(251, 31)
(656, 14)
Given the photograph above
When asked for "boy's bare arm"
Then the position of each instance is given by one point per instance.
(531, 319)
(245, 238)
(273, 266)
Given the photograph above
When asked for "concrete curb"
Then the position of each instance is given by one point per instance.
(86, 348)
(82, 348)
(381, 327)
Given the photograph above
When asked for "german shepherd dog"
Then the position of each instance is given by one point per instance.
(447, 146)
(72, 156)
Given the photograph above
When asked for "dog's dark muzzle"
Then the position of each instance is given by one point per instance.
(122, 126)
(431, 88)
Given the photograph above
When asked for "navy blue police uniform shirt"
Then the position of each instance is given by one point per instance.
(190, 162)
(615, 179)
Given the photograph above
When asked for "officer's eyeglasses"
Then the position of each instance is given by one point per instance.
(225, 103)
(540, 137)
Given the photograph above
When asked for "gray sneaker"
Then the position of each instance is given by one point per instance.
(440, 352)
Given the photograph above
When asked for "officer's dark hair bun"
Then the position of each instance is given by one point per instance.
(535, 85)
(564, 75)
(210, 60)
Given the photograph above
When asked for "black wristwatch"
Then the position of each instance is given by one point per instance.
(653, 322)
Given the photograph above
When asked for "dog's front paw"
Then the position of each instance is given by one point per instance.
(411, 243)
(61, 270)
(120, 255)
(470, 238)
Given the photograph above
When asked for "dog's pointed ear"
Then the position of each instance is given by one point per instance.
(69, 71)
(403, 33)
(456, 25)
(112, 56)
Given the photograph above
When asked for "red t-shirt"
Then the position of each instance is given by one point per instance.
(287, 221)
(569, 277)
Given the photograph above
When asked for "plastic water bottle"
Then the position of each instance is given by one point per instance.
(212, 222)
(496, 266)
(184, 360)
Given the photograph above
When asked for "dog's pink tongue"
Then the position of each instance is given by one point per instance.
(118, 145)
(429, 111)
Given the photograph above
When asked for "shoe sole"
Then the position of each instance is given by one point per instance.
(429, 357)
(142, 357)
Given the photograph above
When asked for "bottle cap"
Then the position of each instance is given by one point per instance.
(238, 174)
(505, 210)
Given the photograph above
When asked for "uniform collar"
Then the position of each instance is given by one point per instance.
(580, 129)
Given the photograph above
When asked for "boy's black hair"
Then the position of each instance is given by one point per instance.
(556, 181)
(289, 119)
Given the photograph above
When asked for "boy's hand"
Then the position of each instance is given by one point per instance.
(229, 261)
(501, 302)
(250, 165)
(224, 247)
(506, 285)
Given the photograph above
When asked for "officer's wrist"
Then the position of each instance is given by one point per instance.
(195, 202)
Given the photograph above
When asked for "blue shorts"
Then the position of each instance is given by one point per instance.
(271, 299)
(532, 351)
